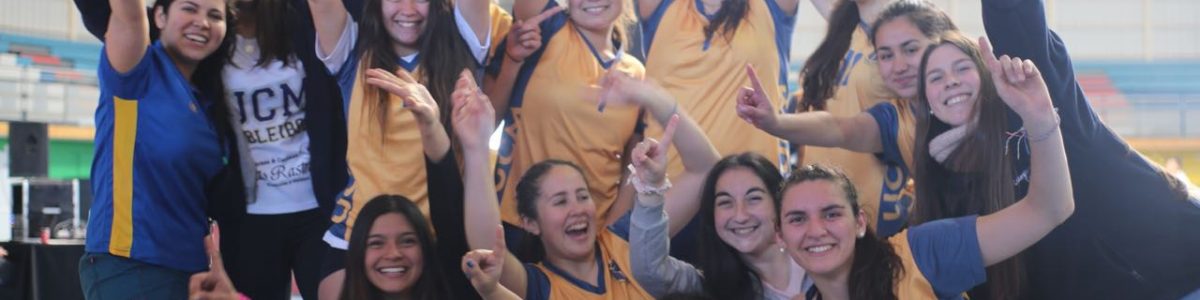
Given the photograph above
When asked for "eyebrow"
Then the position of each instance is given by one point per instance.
(833, 207)
(402, 234)
(755, 189)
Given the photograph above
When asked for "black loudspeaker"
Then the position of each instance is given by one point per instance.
(28, 149)
(50, 204)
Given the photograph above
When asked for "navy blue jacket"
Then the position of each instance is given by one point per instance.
(1134, 235)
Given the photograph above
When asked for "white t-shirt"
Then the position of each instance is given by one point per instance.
(267, 111)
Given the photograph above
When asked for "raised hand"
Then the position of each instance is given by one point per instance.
(413, 94)
(472, 115)
(215, 283)
(618, 88)
(753, 106)
(1020, 86)
(649, 157)
(483, 267)
(525, 37)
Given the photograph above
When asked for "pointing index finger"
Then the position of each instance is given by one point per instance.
(754, 81)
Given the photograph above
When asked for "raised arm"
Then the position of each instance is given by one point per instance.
(473, 124)
(478, 15)
(859, 133)
(525, 9)
(646, 8)
(418, 100)
(524, 38)
(1050, 200)
(824, 7)
(329, 19)
(695, 151)
(128, 34)
(485, 267)
(649, 242)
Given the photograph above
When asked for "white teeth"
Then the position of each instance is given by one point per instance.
(956, 100)
(819, 249)
(196, 38)
(743, 230)
(578, 226)
(393, 270)
(594, 9)
(407, 24)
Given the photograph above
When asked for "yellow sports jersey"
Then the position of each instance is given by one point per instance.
(385, 154)
(704, 75)
(549, 118)
(544, 281)
(912, 283)
(880, 183)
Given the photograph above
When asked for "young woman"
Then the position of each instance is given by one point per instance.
(396, 255)
(1099, 253)
(739, 256)
(577, 258)
(161, 124)
(432, 42)
(289, 130)
(552, 56)
(288, 120)
(841, 79)
(823, 225)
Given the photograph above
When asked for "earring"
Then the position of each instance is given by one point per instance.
(861, 234)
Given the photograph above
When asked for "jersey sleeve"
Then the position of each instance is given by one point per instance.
(649, 247)
(947, 253)
(537, 284)
(888, 120)
(342, 55)
(130, 85)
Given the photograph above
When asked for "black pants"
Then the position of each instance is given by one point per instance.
(269, 249)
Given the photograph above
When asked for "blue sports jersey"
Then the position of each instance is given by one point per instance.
(155, 152)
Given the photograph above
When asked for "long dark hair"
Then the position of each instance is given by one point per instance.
(727, 18)
(207, 77)
(529, 188)
(977, 178)
(726, 276)
(820, 71)
(430, 285)
(876, 267)
(930, 20)
(271, 25)
(443, 55)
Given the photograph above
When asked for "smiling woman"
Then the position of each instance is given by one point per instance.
(149, 113)
(393, 256)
